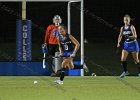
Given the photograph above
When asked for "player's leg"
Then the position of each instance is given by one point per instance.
(58, 61)
(124, 63)
(63, 70)
(70, 64)
(75, 66)
(48, 56)
(51, 53)
(136, 60)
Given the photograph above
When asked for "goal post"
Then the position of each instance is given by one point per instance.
(23, 9)
(23, 36)
(81, 27)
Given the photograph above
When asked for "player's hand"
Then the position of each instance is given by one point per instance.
(44, 48)
(126, 36)
(73, 55)
(44, 45)
(60, 55)
(118, 45)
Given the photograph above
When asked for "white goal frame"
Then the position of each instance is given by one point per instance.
(69, 19)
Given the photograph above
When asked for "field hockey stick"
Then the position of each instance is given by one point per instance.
(59, 57)
(44, 60)
(47, 57)
(44, 50)
(117, 50)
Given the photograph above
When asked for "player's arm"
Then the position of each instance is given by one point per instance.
(120, 37)
(133, 30)
(46, 40)
(77, 45)
(60, 48)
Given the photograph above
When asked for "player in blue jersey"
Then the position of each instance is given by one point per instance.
(68, 47)
(131, 45)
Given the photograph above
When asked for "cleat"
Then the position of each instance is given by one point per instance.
(124, 74)
(85, 68)
(59, 82)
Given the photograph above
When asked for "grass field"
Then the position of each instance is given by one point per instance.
(74, 88)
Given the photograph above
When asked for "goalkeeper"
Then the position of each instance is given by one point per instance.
(50, 41)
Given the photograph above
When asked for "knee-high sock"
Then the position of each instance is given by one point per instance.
(62, 74)
(124, 65)
(138, 64)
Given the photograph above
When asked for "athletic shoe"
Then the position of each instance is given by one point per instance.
(85, 68)
(124, 74)
(139, 75)
(59, 82)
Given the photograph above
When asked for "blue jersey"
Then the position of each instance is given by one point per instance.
(66, 44)
(130, 45)
(127, 32)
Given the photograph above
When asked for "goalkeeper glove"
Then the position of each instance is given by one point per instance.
(44, 48)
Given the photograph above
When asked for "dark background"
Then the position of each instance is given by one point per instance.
(103, 19)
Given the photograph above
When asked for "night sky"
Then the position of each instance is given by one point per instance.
(98, 14)
(103, 19)
(112, 12)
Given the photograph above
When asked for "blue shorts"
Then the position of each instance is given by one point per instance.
(67, 54)
(131, 46)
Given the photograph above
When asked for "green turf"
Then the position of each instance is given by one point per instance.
(74, 88)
